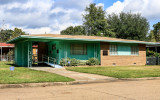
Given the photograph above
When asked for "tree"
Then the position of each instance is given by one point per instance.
(95, 21)
(151, 37)
(77, 30)
(156, 31)
(128, 25)
(17, 32)
(5, 35)
(9, 34)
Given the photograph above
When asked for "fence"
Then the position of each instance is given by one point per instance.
(153, 60)
(6, 58)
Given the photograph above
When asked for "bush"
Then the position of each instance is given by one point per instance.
(74, 62)
(69, 62)
(82, 62)
(152, 53)
(92, 61)
(64, 61)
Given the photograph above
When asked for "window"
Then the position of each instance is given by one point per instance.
(134, 50)
(78, 49)
(113, 49)
(105, 53)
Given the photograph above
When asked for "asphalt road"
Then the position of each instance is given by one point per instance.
(125, 90)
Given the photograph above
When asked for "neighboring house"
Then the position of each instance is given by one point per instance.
(4, 50)
(109, 51)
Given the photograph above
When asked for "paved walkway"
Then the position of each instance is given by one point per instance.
(75, 75)
(125, 90)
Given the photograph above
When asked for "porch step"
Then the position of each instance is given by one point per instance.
(53, 65)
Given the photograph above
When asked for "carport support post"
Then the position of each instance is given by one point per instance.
(157, 58)
(28, 54)
(1, 52)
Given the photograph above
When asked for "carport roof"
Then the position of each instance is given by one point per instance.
(79, 38)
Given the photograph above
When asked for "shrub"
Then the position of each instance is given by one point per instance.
(82, 62)
(74, 62)
(64, 61)
(92, 61)
(69, 62)
(150, 53)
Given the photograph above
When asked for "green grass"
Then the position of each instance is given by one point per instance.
(25, 75)
(121, 71)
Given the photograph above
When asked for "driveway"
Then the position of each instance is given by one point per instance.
(124, 90)
(75, 75)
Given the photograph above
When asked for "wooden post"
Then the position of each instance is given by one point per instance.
(157, 60)
(42, 58)
(1, 51)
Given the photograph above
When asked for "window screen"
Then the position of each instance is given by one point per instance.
(78, 49)
(134, 50)
(113, 49)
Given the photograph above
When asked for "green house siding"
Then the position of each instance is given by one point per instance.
(63, 50)
(123, 49)
(22, 50)
(54, 53)
(93, 50)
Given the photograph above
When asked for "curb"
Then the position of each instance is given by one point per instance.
(25, 85)
(140, 79)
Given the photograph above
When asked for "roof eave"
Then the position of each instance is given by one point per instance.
(98, 40)
(14, 39)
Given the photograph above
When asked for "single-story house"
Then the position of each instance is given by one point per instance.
(109, 51)
(4, 50)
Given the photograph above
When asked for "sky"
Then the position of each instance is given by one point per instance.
(52, 16)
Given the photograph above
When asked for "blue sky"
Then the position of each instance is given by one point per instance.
(52, 16)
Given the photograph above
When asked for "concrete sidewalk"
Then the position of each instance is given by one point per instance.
(80, 77)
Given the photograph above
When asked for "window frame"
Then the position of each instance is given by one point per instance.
(134, 50)
(113, 49)
(72, 48)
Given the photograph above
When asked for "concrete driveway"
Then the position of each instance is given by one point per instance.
(75, 75)
(125, 90)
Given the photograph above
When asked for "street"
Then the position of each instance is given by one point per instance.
(124, 90)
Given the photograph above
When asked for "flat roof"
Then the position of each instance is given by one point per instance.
(80, 38)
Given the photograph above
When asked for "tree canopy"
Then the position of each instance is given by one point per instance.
(128, 25)
(77, 30)
(122, 25)
(156, 31)
(8, 34)
(94, 23)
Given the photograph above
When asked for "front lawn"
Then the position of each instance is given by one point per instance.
(25, 75)
(121, 71)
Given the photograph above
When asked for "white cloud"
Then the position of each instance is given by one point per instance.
(117, 7)
(100, 4)
(148, 8)
(40, 16)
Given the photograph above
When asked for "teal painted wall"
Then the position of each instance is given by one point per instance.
(21, 53)
(93, 50)
(123, 48)
(53, 52)
(63, 48)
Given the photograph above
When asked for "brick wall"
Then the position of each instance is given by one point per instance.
(123, 60)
